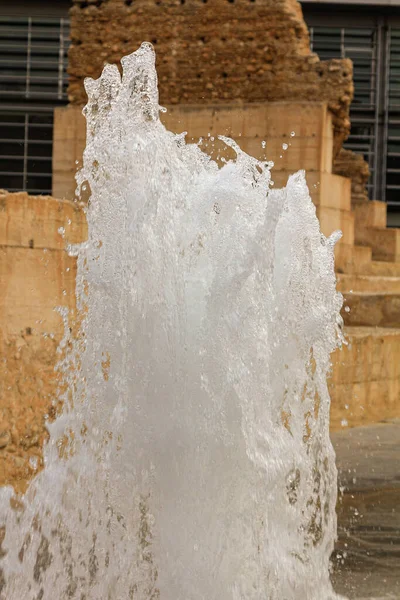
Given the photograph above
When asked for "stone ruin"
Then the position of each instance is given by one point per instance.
(209, 52)
(212, 52)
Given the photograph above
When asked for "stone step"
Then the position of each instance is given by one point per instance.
(385, 243)
(371, 214)
(384, 268)
(365, 377)
(352, 259)
(372, 309)
(330, 190)
(332, 219)
(348, 283)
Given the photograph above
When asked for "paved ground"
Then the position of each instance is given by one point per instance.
(368, 549)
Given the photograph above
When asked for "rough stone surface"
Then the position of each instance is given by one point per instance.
(27, 389)
(212, 52)
(372, 309)
(35, 271)
(365, 379)
(349, 164)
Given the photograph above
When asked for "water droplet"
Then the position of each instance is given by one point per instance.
(263, 144)
(344, 423)
(346, 406)
(33, 461)
(347, 309)
(285, 146)
(292, 134)
(61, 231)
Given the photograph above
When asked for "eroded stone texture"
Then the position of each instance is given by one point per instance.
(349, 164)
(28, 385)
(37, 275)
(212, 52)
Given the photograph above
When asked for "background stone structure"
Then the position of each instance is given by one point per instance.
(36, 275)
(349, 164)
(243, 69)
(212, 51)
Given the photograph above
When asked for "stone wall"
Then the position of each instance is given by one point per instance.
(36, 275)
(294, 135)
(349, 164)
(28, 385)
(365, 381)
(208, 52)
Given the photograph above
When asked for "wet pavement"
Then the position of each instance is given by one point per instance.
(367, 556)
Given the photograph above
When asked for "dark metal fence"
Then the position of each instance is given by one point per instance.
(33, 80)
(375, 112)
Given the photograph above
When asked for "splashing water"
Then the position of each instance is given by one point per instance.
(196, 461)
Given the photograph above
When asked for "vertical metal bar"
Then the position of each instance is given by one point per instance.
(25, 167)
(61, 60)
(373, 98)
(378, 64)
(342, 43)
(28, 59)
(386, 105)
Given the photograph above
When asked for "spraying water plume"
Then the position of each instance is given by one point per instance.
(196, 462)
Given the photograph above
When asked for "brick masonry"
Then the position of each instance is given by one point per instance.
(212, 51)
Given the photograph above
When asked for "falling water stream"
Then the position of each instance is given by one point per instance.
(192, 459)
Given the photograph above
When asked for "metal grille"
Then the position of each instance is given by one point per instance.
(26, 151)
(33, 80)
(33, 58)
(392, 120)
(360, 44)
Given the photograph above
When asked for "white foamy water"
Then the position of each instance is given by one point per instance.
(199, 465)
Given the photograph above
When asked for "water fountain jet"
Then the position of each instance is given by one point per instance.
(192, 459)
